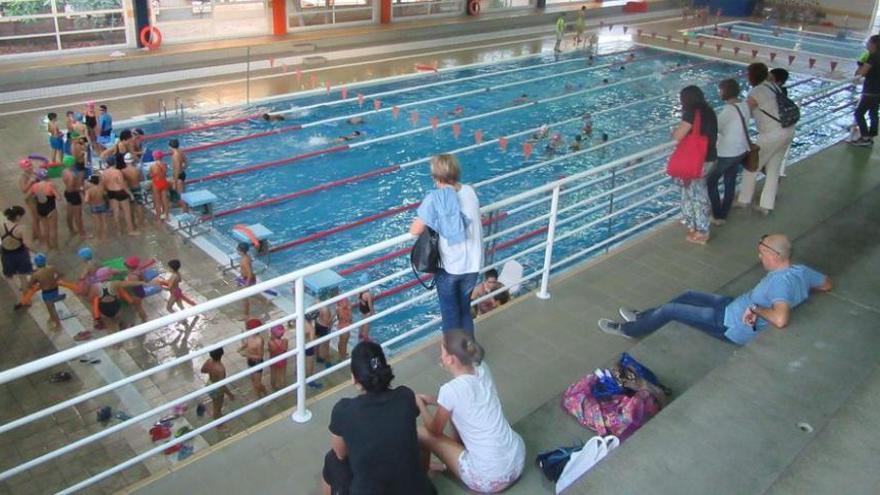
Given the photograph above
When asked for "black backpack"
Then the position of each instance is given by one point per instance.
(789, 113)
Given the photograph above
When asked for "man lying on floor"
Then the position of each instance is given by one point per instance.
(783, 288)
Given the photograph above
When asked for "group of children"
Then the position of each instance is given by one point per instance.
(102, 173)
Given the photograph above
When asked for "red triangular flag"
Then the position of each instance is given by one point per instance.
(736, 50)
(456, 130)
(718, 47)
(314, 80)
(527, 149)
(478, 136)
(327, 84)
(833, 65)
(344, 92)
(790, 59)
(414, 118)
(772, 56)
(754, 53)
(299, 75)
(377, 104)
(361, 99)
(812, 62)
(435, 121)
(395, 111)
(502, 142)
(271, 62)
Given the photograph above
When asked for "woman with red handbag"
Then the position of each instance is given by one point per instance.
(692, 159)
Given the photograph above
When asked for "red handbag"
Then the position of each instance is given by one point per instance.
(686, 162)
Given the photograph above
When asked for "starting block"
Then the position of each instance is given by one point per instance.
(323, 284)
(201, 204)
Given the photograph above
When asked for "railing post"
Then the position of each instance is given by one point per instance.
(301, 415)
(611, 204)
(548, 251)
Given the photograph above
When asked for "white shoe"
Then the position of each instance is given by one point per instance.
(628, 314)
(611, 327)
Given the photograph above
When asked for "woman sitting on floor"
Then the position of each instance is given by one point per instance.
(483, 451)
(375, 447)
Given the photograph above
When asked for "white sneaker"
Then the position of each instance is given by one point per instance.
(628, 314)
(611, 327)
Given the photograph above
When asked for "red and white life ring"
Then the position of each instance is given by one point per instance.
(473, 7)
(151, 37)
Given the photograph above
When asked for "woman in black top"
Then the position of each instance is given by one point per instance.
(695, 206)
(375, 445)
(14, 254)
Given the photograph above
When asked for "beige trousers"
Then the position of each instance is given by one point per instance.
(773, 145)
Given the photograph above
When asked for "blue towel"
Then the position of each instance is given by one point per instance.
(441, 211)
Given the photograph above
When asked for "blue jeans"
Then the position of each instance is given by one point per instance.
(727, 167)
(700, 310)
(454, 292)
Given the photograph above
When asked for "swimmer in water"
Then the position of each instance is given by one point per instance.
(576, 144)
(540, 134)
(349, 137)
(590, 60)
(523, 98)
(458, 110)
(604, 138)
(356, 120)
(554, 144)
(272, 118)
(587, 129)
(604, 81)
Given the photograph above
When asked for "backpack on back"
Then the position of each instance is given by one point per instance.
(789, 113)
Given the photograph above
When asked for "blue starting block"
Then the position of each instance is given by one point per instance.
(201, 204)
(323, 284)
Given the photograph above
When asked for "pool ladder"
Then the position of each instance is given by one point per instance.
(178, 109)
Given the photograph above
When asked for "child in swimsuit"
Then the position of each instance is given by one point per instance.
(179, 164)
(252, 348)
(365, 306)
(173, 285)
(44, 192)
(277, 345)
(56, 142)
(96, 199)
(47, 277)
(158, 171)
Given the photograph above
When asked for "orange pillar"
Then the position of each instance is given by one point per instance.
(279, 17)
(385, 11)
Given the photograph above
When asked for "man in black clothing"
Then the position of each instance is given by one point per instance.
(870, 102)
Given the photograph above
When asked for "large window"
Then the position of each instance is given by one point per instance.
(193, 20)
(314, 13)
(28, 26)
(422, 8)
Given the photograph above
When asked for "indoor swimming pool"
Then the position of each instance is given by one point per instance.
(347, 166)
(845, 46)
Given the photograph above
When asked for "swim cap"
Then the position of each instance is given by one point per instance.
(103, 274)
(42, 174)
(85, 253)
(40, 260)
(252, 323)
(277, 330)
(157, 155)
(243, 246)
(68, 161)
(132, 262)
(129, 158)
(25, 163)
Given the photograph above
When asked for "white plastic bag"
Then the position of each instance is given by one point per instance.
(584, 459)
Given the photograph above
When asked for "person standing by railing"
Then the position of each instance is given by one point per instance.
(870, 101)
(453, 210)
(773, 139)
(695, 206)
(732, 146)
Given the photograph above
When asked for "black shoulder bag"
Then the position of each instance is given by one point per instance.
(425, 256)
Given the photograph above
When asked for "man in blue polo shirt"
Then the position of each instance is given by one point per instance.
(735, 320)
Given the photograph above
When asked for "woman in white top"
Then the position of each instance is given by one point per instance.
(773, 139)
(453, 210)
(484, 451)
(733, 148)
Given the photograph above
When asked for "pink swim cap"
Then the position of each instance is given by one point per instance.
(277, 331)
(157, 155)
(25, 163)
(103, 274)
(132, 262)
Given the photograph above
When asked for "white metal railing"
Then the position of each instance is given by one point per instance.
(573, 217)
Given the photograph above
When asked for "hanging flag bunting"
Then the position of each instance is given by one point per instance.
(833, 65)
(502, 142)
(736, 50)
(344, 92)
(314, 80)
(812, 62)
(772, 56)
(478, 136)
(435, 121)
(754, 53)
(456, 130)
(360, 99)
(395, 111)
(414, 118)
(327, 84)
(791, 59)
(527, 149)
(377, 104)
(299, 75)
(272, 62)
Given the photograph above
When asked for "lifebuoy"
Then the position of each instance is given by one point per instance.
(473, 7)
(151, 37)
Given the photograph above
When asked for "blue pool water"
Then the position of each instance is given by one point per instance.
(636, 107)
(848, 48)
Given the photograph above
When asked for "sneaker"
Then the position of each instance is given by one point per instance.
(863, 142)
(316, 385)
(717, 221)
(611, 327)
(628, 314)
